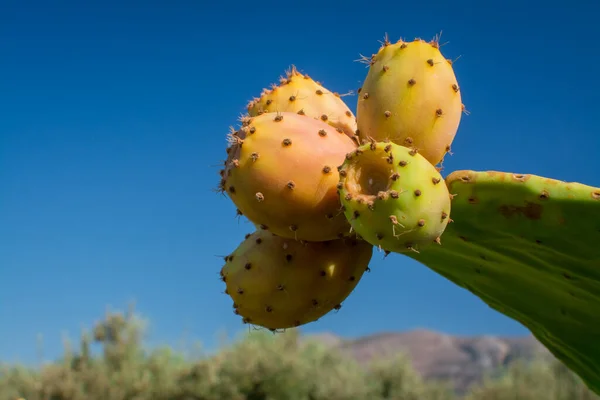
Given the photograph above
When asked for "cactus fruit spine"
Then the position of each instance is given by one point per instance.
(528, 247)
(281, 174)
(279, 283)
(410, 97)
(393, 197)
(299, 93)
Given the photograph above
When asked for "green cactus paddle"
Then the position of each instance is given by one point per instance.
(529, 247)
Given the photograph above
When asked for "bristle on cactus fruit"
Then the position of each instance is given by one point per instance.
(410, 97)
(528, 246)
(281, 283)
(281, 174)
(393, 197)
(299, 93)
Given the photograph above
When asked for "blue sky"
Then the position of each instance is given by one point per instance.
(113, 117)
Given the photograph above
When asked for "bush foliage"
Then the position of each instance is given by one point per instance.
(261, 366)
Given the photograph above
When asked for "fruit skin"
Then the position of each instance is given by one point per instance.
(411, 97)
(279, 283)
(528, 246)
(393, 197)
(281, 174)
(299, 93)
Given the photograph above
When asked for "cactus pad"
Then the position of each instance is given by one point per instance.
(393, 197)
(530, 248)
(281, 174)
(281, 283)
(299, 93)
(411, 97)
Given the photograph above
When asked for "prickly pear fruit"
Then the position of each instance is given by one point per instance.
(393, 197)
(281, 173)
(411, 97)
(528, 246)
(299, 93)
(282, 283)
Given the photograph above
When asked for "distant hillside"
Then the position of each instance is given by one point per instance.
(462, 360)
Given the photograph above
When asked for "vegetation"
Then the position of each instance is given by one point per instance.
(261, 366)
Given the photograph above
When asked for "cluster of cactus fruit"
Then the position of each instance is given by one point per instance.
(324, 188)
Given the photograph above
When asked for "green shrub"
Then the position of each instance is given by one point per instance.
(260, 366)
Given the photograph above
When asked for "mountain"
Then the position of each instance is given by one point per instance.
(463, 360)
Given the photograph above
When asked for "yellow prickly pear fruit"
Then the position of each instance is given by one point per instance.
(299, 93)
(393, 197)
(410, 97)
(281, 173)
(280, 283)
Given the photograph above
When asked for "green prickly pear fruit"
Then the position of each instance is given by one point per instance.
(410, 97)
(281, 174)
(393, 197)
(529, 247)
(299, 93)
(279, 283)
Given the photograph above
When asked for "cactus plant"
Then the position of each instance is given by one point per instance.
(282, 283)
(529, 247)
(526, 245)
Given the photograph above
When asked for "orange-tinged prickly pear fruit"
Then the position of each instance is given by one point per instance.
(410, 97)
(279, 283)
(281, 173)
(299, 93)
